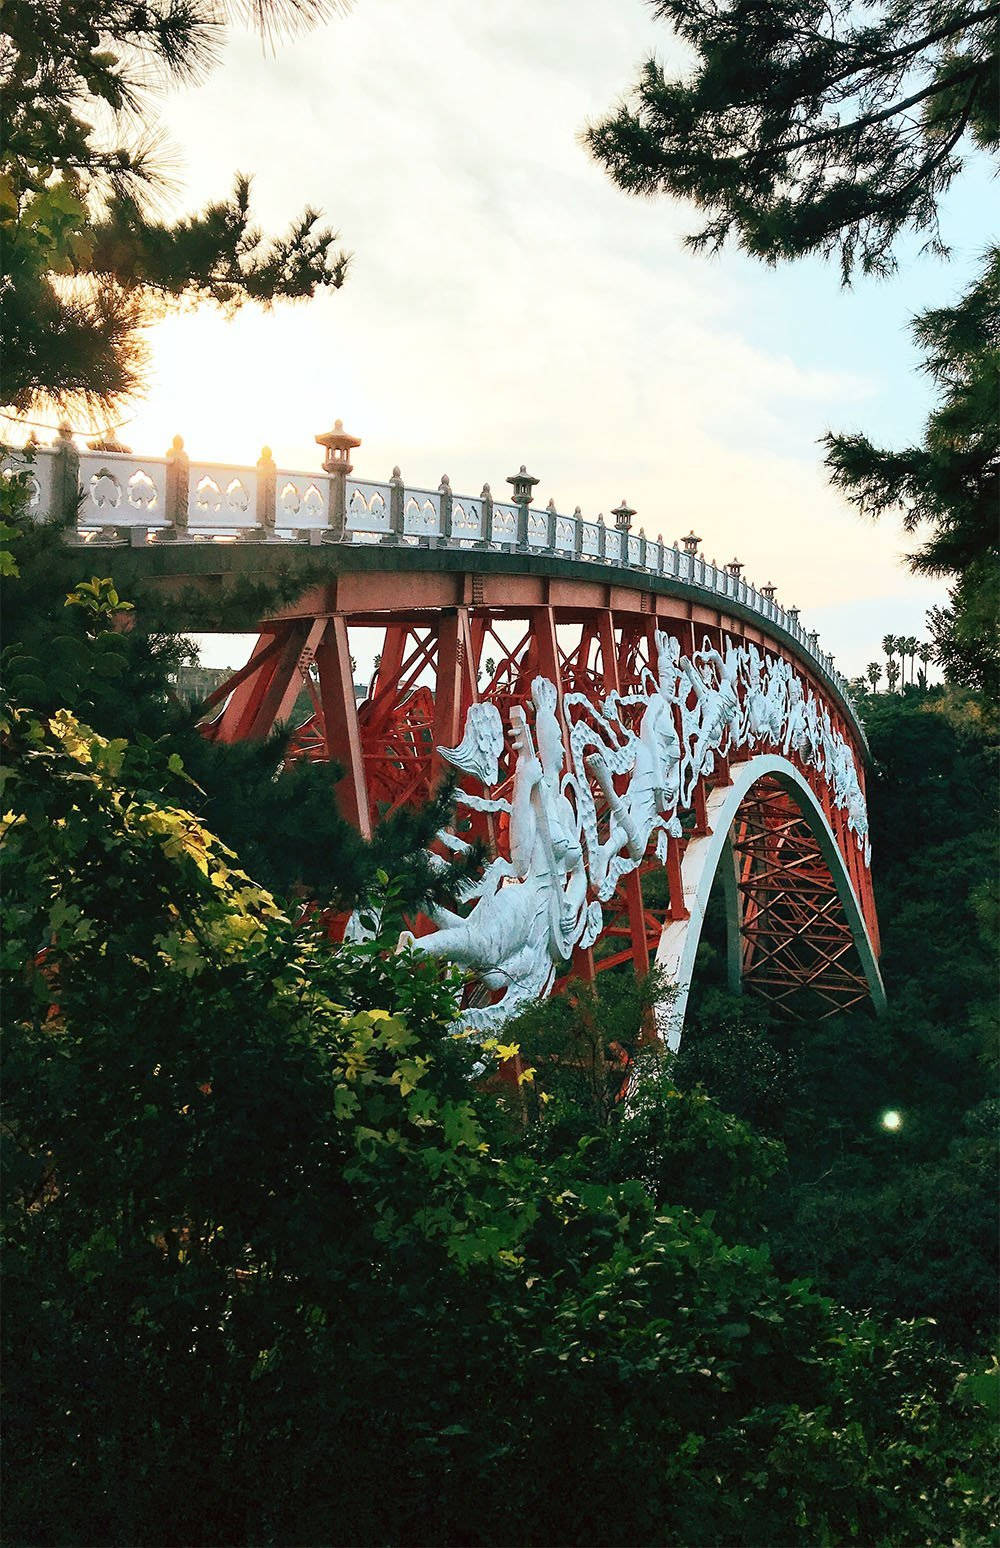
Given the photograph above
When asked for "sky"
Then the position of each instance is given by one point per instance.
(506, 304)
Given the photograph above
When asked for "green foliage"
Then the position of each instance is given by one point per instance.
(87, 265)
(267, 1282)
(808, 127)
(951, 482)
(78, 644)
(901, 1222)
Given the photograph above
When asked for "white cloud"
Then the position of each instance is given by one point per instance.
(506, 303)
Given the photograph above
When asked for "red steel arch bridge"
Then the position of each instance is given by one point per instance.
(627, 720)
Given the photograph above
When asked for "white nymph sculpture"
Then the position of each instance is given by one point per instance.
(530, 911)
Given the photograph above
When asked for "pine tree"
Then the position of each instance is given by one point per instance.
(86, 262)
(949, 485)
(807, 127)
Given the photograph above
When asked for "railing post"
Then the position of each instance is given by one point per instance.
(578, 532)
(267, 483)
(487, 517)
(396, 495)
(178, 474)
(444, 490)
(642, 548)
(602, 537)
(550, 525)
(66, 475)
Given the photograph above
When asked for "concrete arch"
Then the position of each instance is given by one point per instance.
(679, 941)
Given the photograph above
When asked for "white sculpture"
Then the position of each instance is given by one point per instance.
(573, 836)
(532, 910)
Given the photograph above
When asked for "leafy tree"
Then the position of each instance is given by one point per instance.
(87, 264)
(66, 649)
(267, 1282)
(949, 486)
(899, 1221)
(806, 127)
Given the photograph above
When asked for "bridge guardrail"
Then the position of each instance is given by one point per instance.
(124, 499)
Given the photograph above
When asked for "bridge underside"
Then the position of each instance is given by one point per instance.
(798, 943)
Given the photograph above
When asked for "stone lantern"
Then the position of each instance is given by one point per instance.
(337, 463)
(792, 614)
(735, 567)
(691, 543)
(768, 591)
(522, 482)
(623, 516)
(338, 445)
(812, 639)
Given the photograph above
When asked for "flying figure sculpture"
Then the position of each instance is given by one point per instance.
(532, 910)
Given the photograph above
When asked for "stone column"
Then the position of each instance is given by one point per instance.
(66, 475)
(444, 491)
(178, 474)
(487, 498)
(395, 534)
(267, 480)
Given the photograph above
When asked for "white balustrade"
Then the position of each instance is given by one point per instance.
(301, 501)
(119, 490)
(221, 498)
(421, 514)
(369, 510)
(467, 521)
(504, 524)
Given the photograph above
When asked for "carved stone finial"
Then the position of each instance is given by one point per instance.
(396, 477)
(486, 490)
(177, 444)
(266, 459)
(600, 518)
(551, 506)
(445, 484)
(577, 513)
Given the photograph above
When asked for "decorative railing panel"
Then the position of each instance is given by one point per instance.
(123, 497)
(302, 500)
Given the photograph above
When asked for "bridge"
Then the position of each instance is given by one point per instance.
(627, 719)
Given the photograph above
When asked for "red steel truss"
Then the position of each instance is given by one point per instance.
(486, 638)
(798, 950)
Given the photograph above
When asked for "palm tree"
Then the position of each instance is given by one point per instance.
(925, 655)
(873, 671)
(889, 643)
(892, 673)
(912, 646)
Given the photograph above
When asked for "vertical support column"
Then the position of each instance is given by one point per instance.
(734, 917)
(453, 688)
(340, 718)
(630, 884)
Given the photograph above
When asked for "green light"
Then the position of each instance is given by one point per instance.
(892, 1120)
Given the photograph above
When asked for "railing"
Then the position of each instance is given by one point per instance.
(125, 500)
